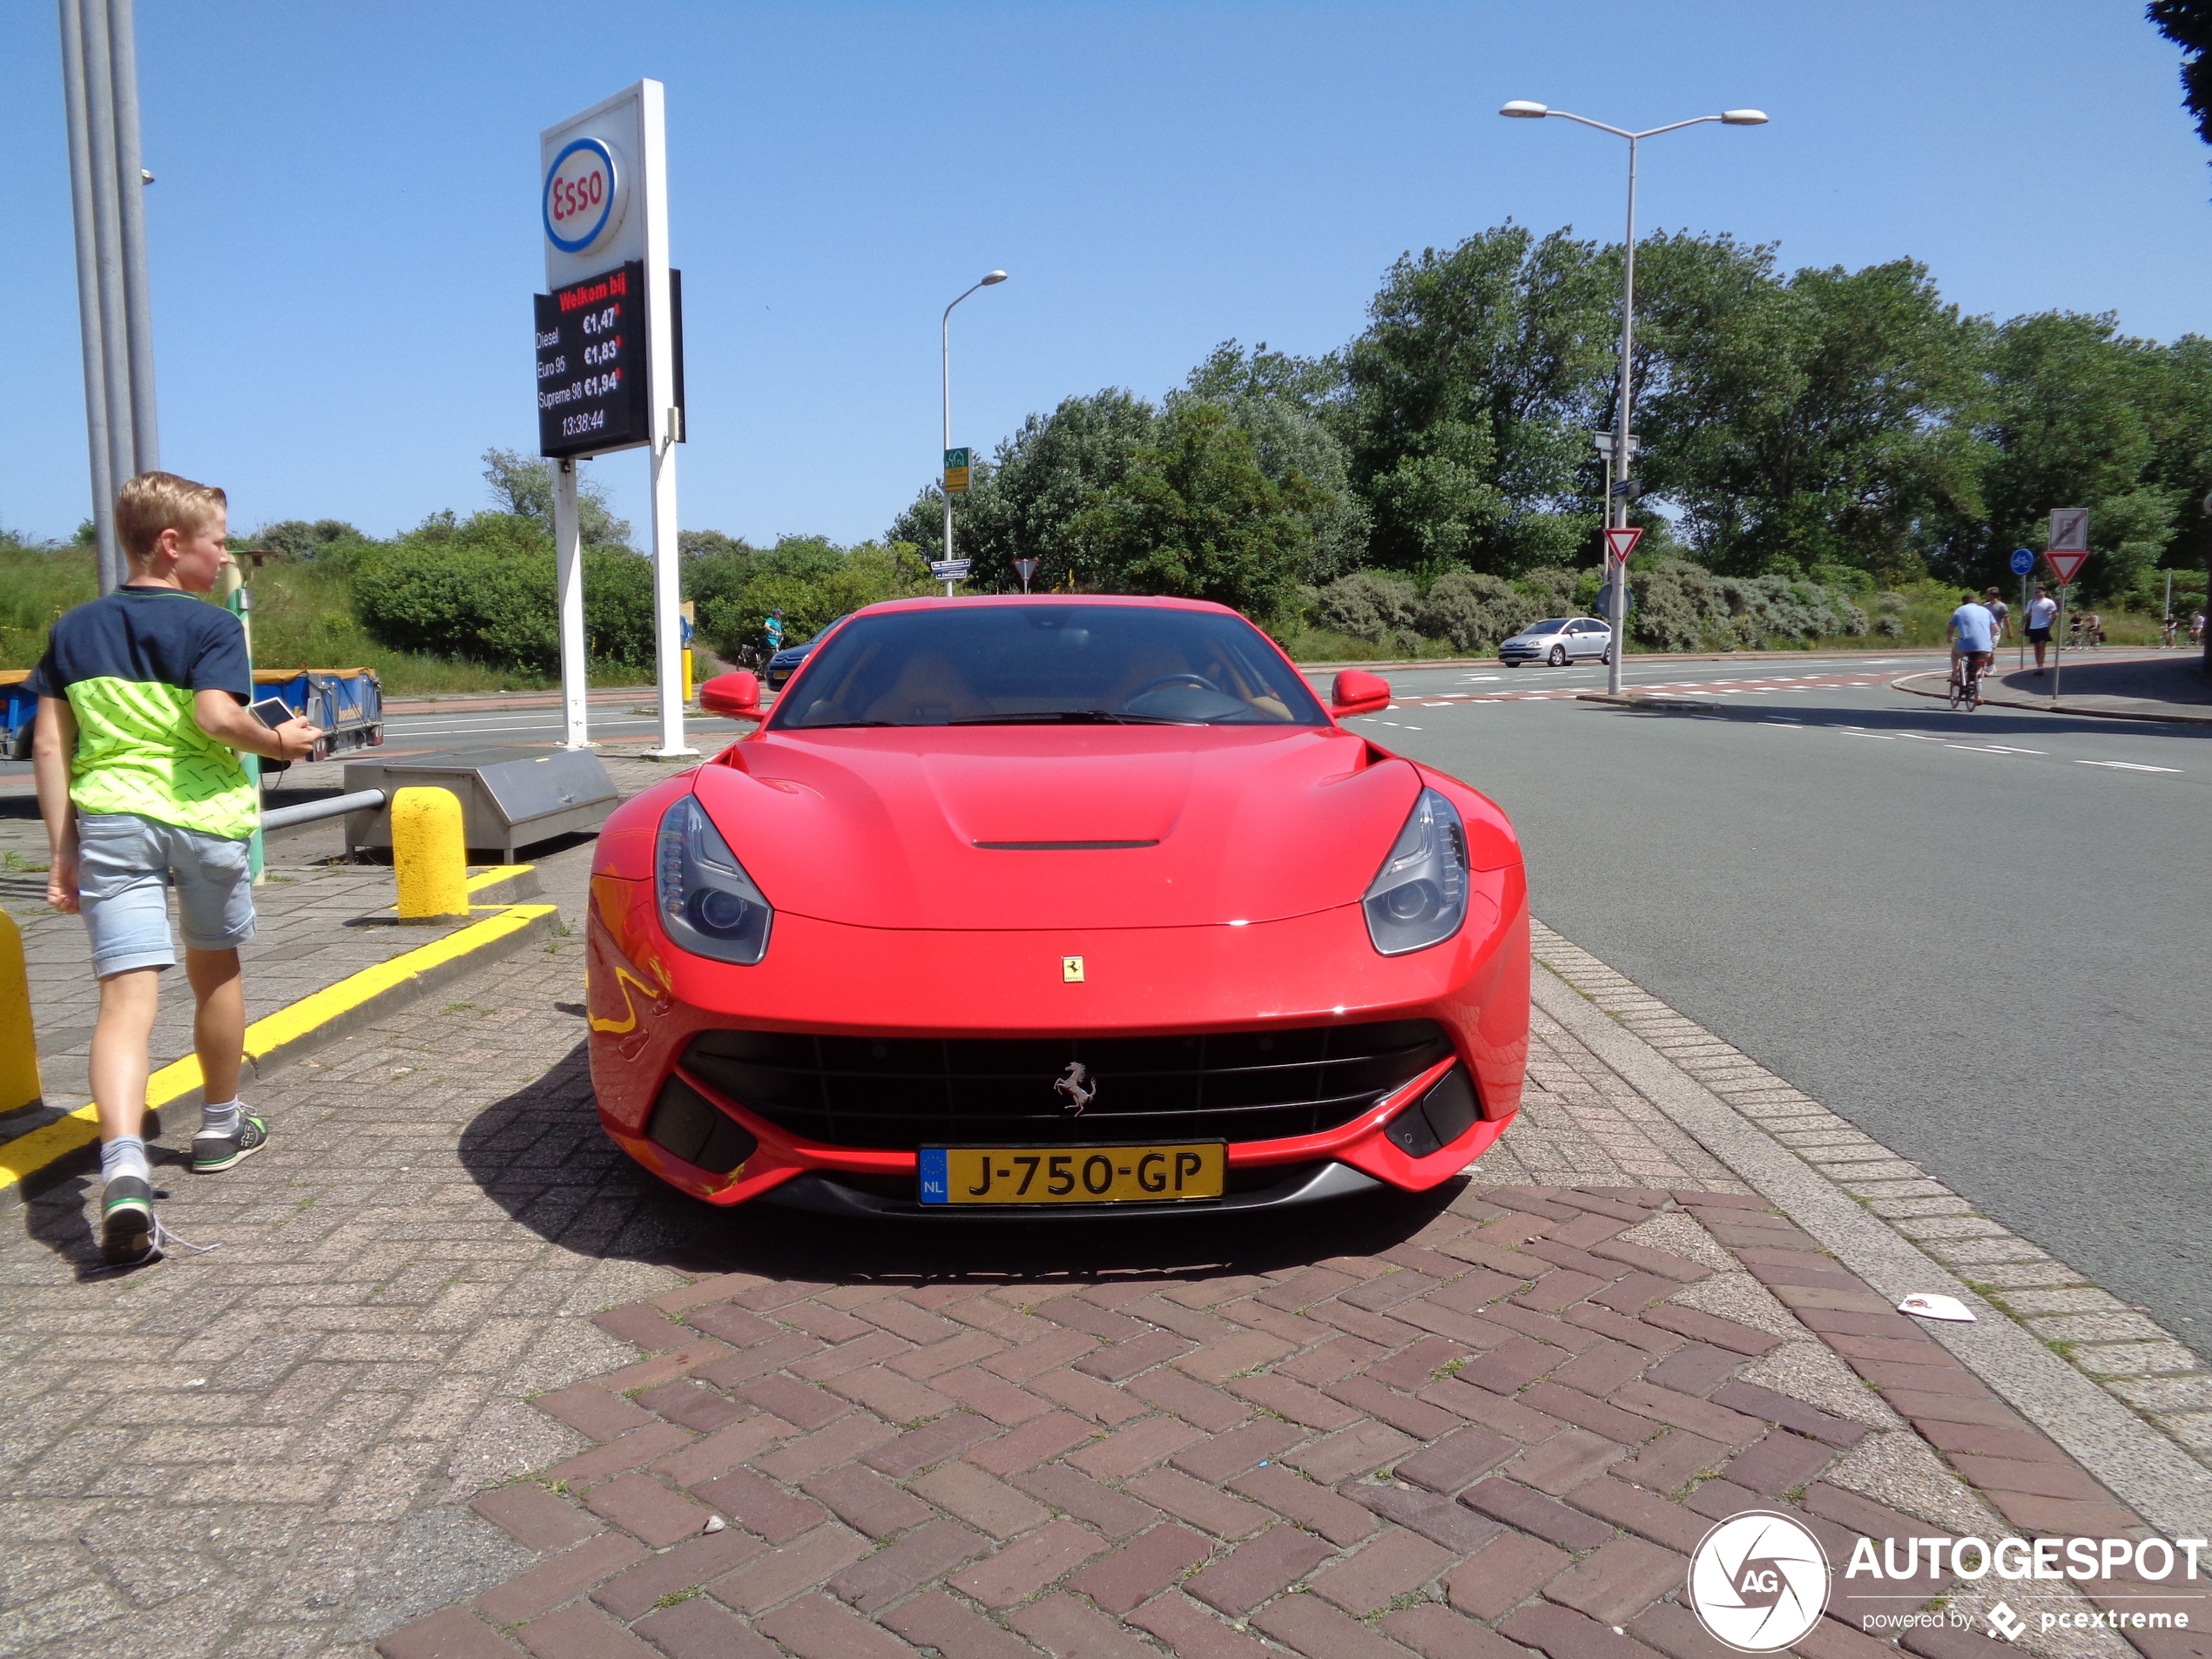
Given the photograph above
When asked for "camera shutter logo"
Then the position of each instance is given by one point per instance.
(1758, 1583)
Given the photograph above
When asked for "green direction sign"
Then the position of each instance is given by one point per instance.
(956, 472)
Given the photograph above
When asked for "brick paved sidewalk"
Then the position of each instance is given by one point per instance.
(382, 1412)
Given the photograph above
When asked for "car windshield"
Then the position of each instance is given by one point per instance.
(1021, 664)
(1550, 627)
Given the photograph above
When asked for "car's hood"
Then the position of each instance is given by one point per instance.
(886, 828)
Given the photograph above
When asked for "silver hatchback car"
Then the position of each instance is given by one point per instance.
(1559, 640)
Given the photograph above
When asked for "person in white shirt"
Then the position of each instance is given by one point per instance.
(2040, 611)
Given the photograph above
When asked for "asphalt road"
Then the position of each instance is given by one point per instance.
(1981, 937)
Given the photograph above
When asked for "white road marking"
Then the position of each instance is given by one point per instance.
(2000, 749)
(2125, 765)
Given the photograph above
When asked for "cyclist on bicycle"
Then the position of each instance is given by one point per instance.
(1974, 633)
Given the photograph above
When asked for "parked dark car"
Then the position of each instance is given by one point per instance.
(785, 662)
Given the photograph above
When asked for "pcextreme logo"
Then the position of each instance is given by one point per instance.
(1758, 1581)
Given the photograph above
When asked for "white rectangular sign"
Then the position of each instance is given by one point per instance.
(2069, 529)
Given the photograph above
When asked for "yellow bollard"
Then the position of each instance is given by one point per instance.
(19, 1084)
(430, 855)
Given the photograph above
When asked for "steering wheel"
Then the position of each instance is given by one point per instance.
(1198, 680)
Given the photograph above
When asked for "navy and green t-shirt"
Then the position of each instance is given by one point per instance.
(129, 665)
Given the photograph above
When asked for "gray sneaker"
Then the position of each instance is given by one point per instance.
(212, 1151)
(126, 1223)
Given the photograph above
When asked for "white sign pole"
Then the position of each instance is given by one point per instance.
(660, 347)
(568, 560)
(603, 196)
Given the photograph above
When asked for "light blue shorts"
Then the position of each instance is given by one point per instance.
(125, 863)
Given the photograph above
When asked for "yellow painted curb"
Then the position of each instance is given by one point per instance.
(29, 1153)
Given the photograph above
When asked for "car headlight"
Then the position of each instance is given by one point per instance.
(707, 902)
(1419, 896)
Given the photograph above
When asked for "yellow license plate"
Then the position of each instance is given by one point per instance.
(1072, 1175)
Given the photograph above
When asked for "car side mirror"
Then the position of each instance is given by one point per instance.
(1356, 691)
(734, 697)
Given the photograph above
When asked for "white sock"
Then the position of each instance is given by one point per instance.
(219, 1120)
(124, 1154)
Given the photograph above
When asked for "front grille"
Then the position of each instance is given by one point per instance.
(903, 1093)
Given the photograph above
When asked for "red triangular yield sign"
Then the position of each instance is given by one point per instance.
(1621, 543)
(2068, 565)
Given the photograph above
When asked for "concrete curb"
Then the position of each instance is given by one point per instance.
(1906, 684)
(2143, 1467)
(64, 1145)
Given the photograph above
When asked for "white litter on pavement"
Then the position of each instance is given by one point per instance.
(1936, 1307)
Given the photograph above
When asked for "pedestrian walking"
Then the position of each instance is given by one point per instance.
(142, 712)
(2041, 611)
(2000, 612)
(2196, 628)
(775, 631)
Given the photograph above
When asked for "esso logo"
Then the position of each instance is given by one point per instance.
(583, 196)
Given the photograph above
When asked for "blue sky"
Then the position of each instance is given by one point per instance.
(344, 241)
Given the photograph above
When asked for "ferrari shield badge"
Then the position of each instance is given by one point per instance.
(1071, 969)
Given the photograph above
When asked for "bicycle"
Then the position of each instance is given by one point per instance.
(1965, 681)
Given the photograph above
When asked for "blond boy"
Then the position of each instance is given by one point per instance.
(142, 709)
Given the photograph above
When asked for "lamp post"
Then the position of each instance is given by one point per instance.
(990, 279)
(1617, 591)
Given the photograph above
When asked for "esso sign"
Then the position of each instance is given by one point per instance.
(583, 200)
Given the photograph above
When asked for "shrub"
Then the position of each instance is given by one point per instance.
(1369, 605)
(1889, 616)
(484, 591)
(1472, 610)
(1550, 591)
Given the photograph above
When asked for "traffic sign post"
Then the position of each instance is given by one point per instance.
(1619, 543)
(2023, 562)
(956, 472)
(1025, 569)
(2068, 552)
(949, 570)
(610, 359)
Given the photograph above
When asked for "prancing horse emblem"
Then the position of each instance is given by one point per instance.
(1072, 1086)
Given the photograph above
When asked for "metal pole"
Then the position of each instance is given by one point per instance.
(107, 233)
(568, 566)
(108, 561)
(2023, 616)
(945, 344)
(130, 196)
(2057, 640)
(1618, 597)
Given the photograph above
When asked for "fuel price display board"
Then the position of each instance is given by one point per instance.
(591, 391)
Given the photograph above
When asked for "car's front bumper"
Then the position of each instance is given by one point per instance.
(647, 1001)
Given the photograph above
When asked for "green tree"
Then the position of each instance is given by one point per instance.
(2187, 24)
(1819, 420)
(1468, 398)
(1025, 503)
(1278, 401)
(2070, 423)
(523, 485)
(1197, 516)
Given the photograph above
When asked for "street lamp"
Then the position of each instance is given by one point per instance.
(990, 279)
(1617, 591)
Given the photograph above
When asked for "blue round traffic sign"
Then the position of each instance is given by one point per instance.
(2023, 561)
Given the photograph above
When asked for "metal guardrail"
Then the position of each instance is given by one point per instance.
(310, 812)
